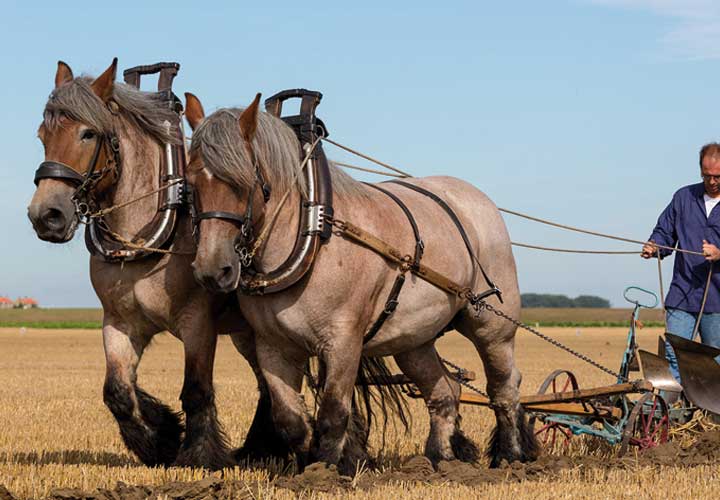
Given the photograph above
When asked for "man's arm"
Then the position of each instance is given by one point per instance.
(664, 233)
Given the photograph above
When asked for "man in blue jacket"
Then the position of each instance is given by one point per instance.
(692, 222)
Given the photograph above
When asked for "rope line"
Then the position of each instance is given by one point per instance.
(568, 250)
(370, 170)
(519, 214)
(105, 211)
(595, 233)
(368, 158)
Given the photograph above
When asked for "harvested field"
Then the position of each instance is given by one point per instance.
(57, 439)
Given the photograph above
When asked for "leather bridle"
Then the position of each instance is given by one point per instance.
(85, 182)
(243, 222)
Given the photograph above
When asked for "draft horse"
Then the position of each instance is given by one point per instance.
(328, 313)
(110, 138)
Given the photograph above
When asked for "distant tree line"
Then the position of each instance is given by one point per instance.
(552, 300)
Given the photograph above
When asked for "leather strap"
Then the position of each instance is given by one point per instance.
(217, 214)
(419, 245)
(460, 229)
(394, 255)
(57, 170)
(392, 301)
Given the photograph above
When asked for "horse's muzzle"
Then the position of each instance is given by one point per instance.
(223, 280)
(51, 223)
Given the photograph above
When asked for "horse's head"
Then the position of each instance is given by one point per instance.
(230, 205)
(77, 152)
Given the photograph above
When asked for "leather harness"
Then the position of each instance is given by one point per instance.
(313, 229)
(392, 301)
(99, 239)
(317, 222)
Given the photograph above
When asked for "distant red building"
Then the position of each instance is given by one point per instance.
(6, 303)
(26, 303)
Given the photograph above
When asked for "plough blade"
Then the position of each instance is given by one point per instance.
(656, 370)
(699, 372)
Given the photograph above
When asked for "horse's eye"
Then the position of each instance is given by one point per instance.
(88, 134)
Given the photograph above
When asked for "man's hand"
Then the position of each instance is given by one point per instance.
(648, 250)
(711, 252)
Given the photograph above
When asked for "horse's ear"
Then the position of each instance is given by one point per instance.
(103, 84)
(194, 111)
(63, 75)
(248, 119)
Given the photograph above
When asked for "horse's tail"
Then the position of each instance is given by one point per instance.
(373, 391)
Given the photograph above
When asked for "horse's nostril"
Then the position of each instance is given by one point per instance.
(225, 273)
(53, 218)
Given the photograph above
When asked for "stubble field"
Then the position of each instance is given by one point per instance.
(55, 432)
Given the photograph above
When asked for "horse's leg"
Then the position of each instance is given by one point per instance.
(342, 359)
(441, 394)
(148, 428)
(205, 443)
(283, 373)
(494, 340)
(263, 440)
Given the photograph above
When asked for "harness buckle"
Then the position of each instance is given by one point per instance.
(390, 306)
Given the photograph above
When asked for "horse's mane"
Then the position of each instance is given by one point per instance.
(219, 142)
(145, 110)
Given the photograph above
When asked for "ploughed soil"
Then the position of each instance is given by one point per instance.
(320, 477)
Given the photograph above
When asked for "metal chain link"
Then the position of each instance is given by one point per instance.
(459, 377)
(480, 305)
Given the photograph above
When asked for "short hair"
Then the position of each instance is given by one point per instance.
(711, 149)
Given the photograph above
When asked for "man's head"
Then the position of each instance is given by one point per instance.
(710, 168)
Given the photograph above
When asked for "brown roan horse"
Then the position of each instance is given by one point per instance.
(328, 312)
(150, 295)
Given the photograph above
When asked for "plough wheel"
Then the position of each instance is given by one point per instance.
(549, 432)
(648, 424)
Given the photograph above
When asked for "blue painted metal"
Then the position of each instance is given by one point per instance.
(610, 430)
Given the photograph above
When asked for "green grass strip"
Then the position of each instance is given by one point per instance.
(55, 325)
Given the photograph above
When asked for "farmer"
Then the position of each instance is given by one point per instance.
(692, 221)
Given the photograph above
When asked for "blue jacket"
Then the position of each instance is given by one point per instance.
(684, 222)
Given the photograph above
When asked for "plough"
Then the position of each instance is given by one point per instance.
(629, 413)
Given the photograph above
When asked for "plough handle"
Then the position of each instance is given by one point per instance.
(637, 302)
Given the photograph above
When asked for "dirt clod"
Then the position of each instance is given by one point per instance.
(315, 477)
(5, 494)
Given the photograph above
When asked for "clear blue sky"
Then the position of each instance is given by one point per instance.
(588, 112)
